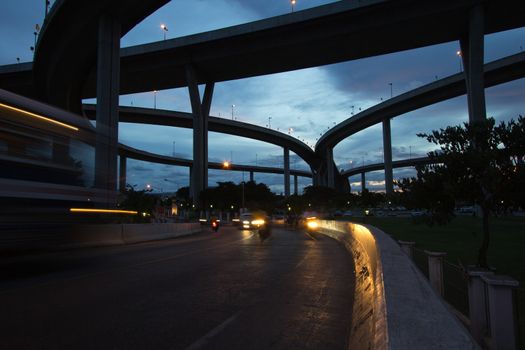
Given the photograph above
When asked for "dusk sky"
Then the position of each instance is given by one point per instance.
(306, 101)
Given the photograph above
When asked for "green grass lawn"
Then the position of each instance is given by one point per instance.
(461, 238)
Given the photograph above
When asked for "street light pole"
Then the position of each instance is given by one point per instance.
(154, 99)
(164, 29)
(460, 58)
(293, 3)
(391, 90)
(233, 106)
(269, 122)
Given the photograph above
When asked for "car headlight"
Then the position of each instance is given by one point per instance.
(312, 224)
(245, 222)
(258, 222)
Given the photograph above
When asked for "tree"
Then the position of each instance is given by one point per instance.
(227, 194)
(481, 163)
(140, 201)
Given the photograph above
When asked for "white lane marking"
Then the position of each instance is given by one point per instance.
(206, 339)
(302, 260)
(310, 236)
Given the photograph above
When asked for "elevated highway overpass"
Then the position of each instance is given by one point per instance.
(496, 72)
(332, 33)
(221, 125)
(337, 32)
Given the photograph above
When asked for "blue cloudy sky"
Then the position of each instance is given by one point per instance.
(304, 103)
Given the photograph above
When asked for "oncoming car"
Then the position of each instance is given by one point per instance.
(310, 221)
(253, 221)
(257, 221)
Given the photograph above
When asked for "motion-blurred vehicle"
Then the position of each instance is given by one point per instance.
(256, 221)
(310, 221)
(215, 224)
(278, 219)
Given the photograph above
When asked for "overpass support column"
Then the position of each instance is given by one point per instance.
(387, 155)
(295, 187)
(330, 178)
(108, 79)
(123, 173)
(251, 176)
(472, 54)
(315, 176)
(200, 111)
(286, 172)
(363, 181)
(190, 185)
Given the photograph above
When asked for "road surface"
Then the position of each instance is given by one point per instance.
(224, 290)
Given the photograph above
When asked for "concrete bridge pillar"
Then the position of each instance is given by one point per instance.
(330, 178)
(477, 301)
(502, 307)
(407, 247)
(251, 176)
(363, 181)
(435, 271)
(123, 173)
(472, 54)
(387, 155)
(190, 170)
(200, 111)
(295, 186)
(286, 156)
(108, 79)
(315, 176)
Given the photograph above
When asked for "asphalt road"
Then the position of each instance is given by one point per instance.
(224, 290)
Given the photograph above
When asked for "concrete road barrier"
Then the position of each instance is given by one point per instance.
(55, 237)
(394, 305)
(133, 233)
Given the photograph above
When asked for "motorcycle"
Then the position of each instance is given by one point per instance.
(215, 225)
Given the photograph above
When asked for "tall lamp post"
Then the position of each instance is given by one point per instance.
(233, 106)
(460, 58)
(391, 90)
(164, 29)
(293, 4)
(155, 99)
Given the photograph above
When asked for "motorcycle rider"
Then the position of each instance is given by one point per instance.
(215, 223)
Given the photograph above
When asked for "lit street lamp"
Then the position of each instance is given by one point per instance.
(460, 58)
(293, 3)
(164, 29)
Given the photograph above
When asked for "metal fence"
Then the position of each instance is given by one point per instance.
(456, 287)
(454, 280)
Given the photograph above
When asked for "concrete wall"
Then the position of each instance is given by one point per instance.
(79, 236)
(98, 235)
(394, 305)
